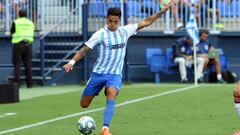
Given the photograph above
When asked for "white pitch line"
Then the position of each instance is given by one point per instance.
(95, 110)
(9, 114)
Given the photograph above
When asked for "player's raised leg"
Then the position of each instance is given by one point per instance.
(93, 88)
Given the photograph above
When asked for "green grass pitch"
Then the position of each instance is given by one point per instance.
(204, 110)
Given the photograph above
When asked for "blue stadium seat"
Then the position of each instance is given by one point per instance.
(99, 8)
(157, 65)
(156, 61)
(134, 9)
(172, 67)
(231, 10)
(224, 62)
(150, 52)
(223, 58)
(169, 55)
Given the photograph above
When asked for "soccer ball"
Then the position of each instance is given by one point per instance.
(86, 125)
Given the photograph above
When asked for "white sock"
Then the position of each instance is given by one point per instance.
(105, 127)
(219, 76)
(238, 111)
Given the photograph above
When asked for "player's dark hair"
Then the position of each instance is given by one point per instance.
(22, 13)
(203, 31)
(188, 37)
(114, 11)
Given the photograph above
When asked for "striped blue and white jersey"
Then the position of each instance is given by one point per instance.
(111, 48)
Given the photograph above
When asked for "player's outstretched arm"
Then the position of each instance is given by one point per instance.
(77, 57)
(148, 21)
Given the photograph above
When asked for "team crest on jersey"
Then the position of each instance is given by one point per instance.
(121, 34)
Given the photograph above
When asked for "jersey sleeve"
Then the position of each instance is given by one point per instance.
(94, 40)
(131, 29)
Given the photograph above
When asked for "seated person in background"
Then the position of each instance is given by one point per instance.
(204, 47)
(183, 55)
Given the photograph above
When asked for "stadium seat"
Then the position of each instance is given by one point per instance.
(134, 9)
(169, 56)
(224, 62)
(158, 64)
(156, 61)
(223, 58)
(229, 10)
(150, 52)
(99, 8)
(172, 67)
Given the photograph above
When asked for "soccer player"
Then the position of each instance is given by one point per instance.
(107, 72)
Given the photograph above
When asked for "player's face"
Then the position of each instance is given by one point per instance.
(204, 37)
(113, 22)
(188, 41)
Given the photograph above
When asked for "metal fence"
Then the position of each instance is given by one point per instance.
(57, 47)
(9, 11)
(222, 15)
(44, 13)
(216, 15)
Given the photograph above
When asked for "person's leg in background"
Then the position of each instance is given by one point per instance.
(206, 62)
(16, 60)
(175, 10)
(26, 58)
(200, 66)
(185, 13)
(182, 68)
(217, 64)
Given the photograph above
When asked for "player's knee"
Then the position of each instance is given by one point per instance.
(84, 104)
(217, 62)
(181, 61)
(200, 60)
(206, 60)
(111, 94)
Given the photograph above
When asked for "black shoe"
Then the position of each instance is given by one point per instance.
(29, 86)
(200, 80)
(221, 81)
(184, 81)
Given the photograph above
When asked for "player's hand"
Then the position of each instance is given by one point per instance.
(237, 89)
(189, 58)
(68, 67)
(165, 9)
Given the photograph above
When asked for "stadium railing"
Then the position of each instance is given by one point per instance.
(58, 45)
(46, 13)
(9, 12)
(226, 17)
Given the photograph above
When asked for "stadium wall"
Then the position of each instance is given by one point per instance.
(137, 71)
